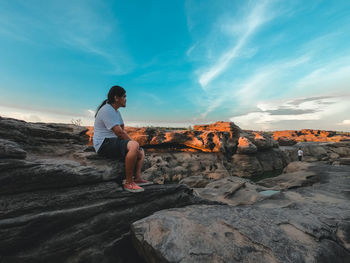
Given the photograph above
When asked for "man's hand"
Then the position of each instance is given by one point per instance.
(119, 131)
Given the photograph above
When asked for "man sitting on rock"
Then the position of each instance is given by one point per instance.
(111, 140)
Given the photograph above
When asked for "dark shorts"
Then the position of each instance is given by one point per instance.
(114, 148)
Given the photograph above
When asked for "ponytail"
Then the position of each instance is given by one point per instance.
(99, 107)
(114, 91)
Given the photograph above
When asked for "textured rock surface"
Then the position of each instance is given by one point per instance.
(290, 137)
(232, 190)
(218, 137)
(9, 149)
(59, 201)
(308, 224)
(173, 167)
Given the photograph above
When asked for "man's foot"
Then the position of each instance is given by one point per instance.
(132, 187)
(142, 182)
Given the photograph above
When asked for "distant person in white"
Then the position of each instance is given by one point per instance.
(300, 154)
(112, 141)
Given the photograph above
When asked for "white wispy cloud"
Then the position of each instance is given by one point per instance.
(256, 18)
(46, 115)
(331, 75)
(320, 109)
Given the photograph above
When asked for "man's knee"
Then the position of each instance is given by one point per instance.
(133, 146)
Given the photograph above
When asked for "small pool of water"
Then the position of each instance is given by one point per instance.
(269, 192)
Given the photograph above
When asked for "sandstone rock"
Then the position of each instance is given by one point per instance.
(62, 203)
(217, 137)
(231, 190)
(221, 126)
(261, 140)
(195, 181)
(79, 224)
(344, 161)
(308, 224)
(245, 146)
(298, 166)
(286, 138)
(246, 166)
(290, 180)
(10, 149)
(23, 176)
(173, 167)
(271, 160)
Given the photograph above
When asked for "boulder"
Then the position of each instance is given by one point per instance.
(232, 190)
(245, 146)
(246, 166)
(307, 224)
(261, 140)
(290, 180)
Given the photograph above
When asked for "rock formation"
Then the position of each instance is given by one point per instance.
(291, 137)
(59, 202)
(309, 224)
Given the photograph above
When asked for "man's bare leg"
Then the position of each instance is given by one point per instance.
(139, 164)
(130, 160)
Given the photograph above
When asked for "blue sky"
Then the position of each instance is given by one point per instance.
(265, 65)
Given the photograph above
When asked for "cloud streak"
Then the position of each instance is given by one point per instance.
(255, 19)
(300, 109)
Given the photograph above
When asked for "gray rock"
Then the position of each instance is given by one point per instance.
(9, 149)
(290, 180)
(62, 203)
(195, 181)
(232, 190)
(309, 224)
(246, 166)
(344, 161)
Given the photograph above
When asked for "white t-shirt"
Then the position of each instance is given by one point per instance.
(300, 153)
(106, 118)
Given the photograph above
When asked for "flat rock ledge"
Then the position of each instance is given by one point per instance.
(307, 224)
(87, 223)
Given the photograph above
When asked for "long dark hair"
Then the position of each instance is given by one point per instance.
(114, 91)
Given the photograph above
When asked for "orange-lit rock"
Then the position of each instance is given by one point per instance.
(217, 137)
(245, 146)
(221, 126)
(290, 137)
(90, 133)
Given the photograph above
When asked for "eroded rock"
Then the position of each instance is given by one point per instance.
(308, 224)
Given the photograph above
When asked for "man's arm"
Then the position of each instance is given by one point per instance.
(120, 132)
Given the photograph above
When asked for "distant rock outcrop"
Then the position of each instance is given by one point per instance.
(291, 137)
